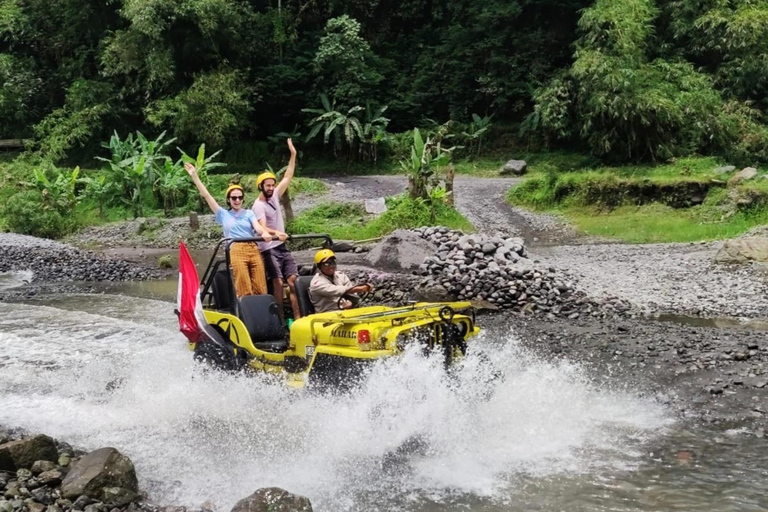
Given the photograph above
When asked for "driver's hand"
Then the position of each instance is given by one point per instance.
(267, 237)
(345, 304)
(370, 287)
(282, 236)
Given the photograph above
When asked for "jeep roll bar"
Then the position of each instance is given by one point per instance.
(207, 281)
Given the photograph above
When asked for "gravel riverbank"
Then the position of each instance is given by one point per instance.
(665, 278)
(55, 262)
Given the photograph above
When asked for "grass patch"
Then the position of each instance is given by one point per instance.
(657, 223)
(682, 201)
(350, 222)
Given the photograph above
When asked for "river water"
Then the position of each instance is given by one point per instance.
(112, 370)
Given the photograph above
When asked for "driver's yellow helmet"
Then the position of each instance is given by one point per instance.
(266, 175)
(322, 255)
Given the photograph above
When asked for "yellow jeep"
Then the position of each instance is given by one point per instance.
(321, 348)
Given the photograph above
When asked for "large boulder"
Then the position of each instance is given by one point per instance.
(273, 499)
(25, 452)
(105, 468)
(514, 167)
(742, 250)
(402, 250)
(745, 174)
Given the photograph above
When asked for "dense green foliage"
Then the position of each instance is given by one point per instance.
(350, 81)
(631, 80)
(222, 71)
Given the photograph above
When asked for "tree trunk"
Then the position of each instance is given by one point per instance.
(285, 201)
(412, 188)
(449, 185)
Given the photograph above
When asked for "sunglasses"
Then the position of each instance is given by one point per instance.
(329, 263)
(235, 198)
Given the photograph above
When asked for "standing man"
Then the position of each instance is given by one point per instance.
(278, 260)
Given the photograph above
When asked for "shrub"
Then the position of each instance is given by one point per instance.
(25, 213)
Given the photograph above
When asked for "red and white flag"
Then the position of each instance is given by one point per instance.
(192, 321)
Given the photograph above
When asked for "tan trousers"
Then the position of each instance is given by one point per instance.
(247, 269)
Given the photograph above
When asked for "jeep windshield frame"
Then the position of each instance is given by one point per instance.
(215, 264)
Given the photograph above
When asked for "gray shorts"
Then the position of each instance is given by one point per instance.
(279, 263)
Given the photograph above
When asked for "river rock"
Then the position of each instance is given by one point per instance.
(743, 175)
(41, 466)
(742, 250)
(515, 167)
(105, 467)
(273, 499)
(117, 496)
(725, 169)
(376, 205)
(24, 452)
(432, 293)
(401, 250)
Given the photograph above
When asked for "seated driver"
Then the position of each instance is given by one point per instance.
(328, 286)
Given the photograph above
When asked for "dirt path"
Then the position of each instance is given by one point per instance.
(480, 200)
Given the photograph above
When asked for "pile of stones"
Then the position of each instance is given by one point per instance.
(498, 271)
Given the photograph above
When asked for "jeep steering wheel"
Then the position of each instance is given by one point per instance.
(354, 299)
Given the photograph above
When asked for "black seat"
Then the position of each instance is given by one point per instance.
(221, 287)
(259, 314)
(302, 294)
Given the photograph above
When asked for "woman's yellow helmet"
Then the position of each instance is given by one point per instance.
(266, 175)
(322, 255)
(233, 187)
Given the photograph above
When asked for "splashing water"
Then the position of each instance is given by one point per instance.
(113, 371)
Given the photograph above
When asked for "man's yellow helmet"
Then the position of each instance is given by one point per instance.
(266, 175)
(322, 255)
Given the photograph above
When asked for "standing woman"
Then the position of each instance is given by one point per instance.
(238, 222)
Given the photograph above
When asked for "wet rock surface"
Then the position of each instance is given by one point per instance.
(273, 499)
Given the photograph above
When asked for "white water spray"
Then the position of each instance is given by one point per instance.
(112, 371)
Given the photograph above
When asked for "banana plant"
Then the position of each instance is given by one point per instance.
(426, 158)
(152, 151)
(476, 130)
(436, 195)
(203, 165)
(374, 130)
(345, 127)
(57, 193)
(135, 178)
(171, 184)
(98, 188)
